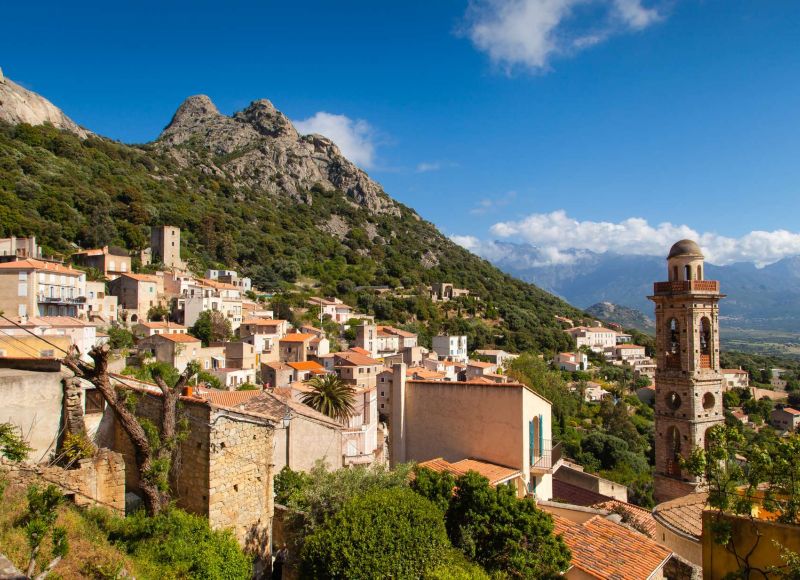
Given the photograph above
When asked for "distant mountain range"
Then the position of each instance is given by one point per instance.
(622, 315)
(762, 299)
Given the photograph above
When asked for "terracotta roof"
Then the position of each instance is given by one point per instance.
(494, 473)
(67, 321)
(607, 550)
(733, 372)
(92, 252)
(360, 350)
(226, 398)
(642, 516)
(791, 411)
(356, 359)
(257, 320)
(33, 264)
(569, 493)
(397, 331)
(273, 406)
(422, 373)
(684, 514)
(140, 277)
(297, 337)
(480, 364)
(176, 337)
(218, 285)
(479, 381)
(277, 365)
(629, 346)
(306, 366)
(162, 324)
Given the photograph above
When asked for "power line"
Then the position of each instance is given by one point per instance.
(29, 348)
(33, 334)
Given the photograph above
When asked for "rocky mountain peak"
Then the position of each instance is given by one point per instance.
(267, 120)
(259, 148)
(19, 105)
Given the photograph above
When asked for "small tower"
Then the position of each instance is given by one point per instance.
(688, 379)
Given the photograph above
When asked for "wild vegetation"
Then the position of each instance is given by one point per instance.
(89, 193)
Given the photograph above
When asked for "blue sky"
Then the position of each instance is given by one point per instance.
(570, 124)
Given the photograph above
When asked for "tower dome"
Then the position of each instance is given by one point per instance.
(685, 248)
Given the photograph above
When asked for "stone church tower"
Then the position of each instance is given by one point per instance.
(688, 380)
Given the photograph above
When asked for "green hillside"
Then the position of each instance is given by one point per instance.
(94, 192)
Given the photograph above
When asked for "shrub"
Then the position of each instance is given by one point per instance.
(176, 544)
(393, 533)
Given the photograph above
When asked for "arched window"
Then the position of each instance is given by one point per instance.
(705, 336)
(699, 272)
(673, 451)
(674, 344)
(708, 401)
(688, 270)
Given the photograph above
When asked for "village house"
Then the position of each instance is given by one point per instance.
(451, 347)
(787, 418)
(428, 418)
(225, 473)
(498, 357)
(276, 374)
(136, 294)
(111, 262)
(445, 291)
(735, 379)
(98, 306)
(143, 329)
(233, 377)
(571, 361)
(476, 368)
(230, 277)
(304, 371)
(333, 308)
(13, 249)
(299, 347)
(452, 371)
(628, 353)
(264, 334)
(360, 443)
(202, 295)
(33, 287)
(176, 349)
(599, 339)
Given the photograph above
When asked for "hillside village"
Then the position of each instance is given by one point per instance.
(445, 406)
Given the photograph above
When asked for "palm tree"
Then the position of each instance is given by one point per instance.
(331, 396)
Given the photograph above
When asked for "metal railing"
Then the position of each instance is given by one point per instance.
(547, 456)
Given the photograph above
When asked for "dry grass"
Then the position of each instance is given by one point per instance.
(90, 554)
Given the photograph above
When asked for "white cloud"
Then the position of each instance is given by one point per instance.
(425, 167)
(355, 138)
(488, 205)
(557, 233)
(529, 33)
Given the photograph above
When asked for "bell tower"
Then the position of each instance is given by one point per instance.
(688, 380)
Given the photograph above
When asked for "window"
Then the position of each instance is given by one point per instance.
(383, 394)
(47, 353)
(688, 271)
(383, 380)
(22, 310)
(124, 266)
(94, 402)
(22, 289)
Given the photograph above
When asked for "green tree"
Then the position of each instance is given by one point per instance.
(392, 533)
(503, 533)
(12, 445)
(39, 521)
(212, 326)
(119, 337)
(331, 396)
(158, 313)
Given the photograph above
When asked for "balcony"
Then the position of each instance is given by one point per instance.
(59, 300)
(546, 458)
(679, 287)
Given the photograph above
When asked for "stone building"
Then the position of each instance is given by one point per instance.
(165, 247)
(225, 471)
(688, 398)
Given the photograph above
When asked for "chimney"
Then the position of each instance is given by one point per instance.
(188, 391)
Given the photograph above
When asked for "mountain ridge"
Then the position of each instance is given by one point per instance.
(250, 193)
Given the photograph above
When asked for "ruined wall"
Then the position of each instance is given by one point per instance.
(240, 468)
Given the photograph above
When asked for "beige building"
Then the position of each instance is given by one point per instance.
(13, 248)
(296, 347)
(98, 306)
(112, 262)
(735, 379)
(360, 443)
(504, 424)
(136, 294)
(175, 349)
(629, 353)
(33, 287)
(451, 347)
(144, 329)
(498, 357)
(599, 339)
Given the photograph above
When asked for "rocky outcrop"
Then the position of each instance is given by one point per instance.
(19, 105)
(260, 148)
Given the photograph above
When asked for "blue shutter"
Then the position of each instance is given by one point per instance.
(531, 439)
(541, 435)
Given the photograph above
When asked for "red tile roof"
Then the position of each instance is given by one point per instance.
(480, 364)
(360, 350)
(33, 264)
(226, 398)
(791, 411)
(566, 492)
(684, 514)
(307, 366)
(644, 518)
(494, 473)
(356, 359)
(297, 337)
(176, 337)
(733, 372)
(141, 277)
(162, 324)
(610, 551)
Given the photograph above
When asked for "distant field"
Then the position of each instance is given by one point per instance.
(768, 342)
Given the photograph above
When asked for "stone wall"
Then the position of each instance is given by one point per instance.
(99, 480)
(240, 471)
